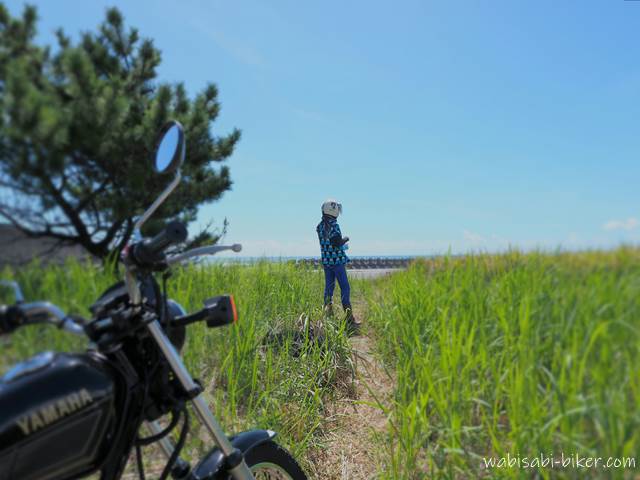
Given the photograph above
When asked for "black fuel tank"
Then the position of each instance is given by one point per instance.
(56, 416)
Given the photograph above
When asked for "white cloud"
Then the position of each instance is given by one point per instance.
(474, 238)
(628, 224)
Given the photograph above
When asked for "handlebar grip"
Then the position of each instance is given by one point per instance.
(150, 251)
(10, 319)
(175, 232)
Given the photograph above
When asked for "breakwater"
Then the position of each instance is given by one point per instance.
(363, 263)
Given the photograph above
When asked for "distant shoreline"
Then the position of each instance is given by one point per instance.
(356, 262)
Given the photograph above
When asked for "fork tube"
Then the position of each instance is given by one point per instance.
(241, 472)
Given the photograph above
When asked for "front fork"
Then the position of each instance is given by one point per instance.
(240, 471)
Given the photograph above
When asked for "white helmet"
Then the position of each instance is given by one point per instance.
(332, 207)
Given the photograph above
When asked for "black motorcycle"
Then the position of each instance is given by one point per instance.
(65, 416)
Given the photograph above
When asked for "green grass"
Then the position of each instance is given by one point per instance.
(249, 384)
(519, 354)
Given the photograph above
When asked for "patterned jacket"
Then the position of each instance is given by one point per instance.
(332, 246)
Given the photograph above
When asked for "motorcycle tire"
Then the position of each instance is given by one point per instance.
(269, 461)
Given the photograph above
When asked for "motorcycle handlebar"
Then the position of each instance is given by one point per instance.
(15, 316)
(150, 252)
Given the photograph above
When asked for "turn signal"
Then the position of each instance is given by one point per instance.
(233, 307)
(221, 310)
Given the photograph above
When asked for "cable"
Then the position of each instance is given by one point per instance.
(139, 461)
(178, 448)
(175, 417)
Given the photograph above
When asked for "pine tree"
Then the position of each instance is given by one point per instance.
(78, 126)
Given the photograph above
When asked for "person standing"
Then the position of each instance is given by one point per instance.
(333, 248)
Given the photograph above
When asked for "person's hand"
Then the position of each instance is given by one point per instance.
(345, 239)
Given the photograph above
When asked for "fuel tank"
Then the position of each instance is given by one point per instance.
(57, 415)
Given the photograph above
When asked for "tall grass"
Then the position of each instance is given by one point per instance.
(494, 355)
(514, 354)
(250, 382)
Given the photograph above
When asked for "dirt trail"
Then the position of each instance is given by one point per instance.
(354, 421)
(355, 427)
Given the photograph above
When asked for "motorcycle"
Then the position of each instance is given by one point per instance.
(65, 416)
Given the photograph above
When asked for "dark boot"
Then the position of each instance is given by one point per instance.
(353, 326)
(328, 309)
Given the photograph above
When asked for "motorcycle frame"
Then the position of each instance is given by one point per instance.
(130, 391)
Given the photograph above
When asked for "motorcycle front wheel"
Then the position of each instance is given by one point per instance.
(269, 461)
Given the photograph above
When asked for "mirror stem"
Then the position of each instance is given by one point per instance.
(154, 206)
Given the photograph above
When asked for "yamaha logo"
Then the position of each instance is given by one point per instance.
(54, 411)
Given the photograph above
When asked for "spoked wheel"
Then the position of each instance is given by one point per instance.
(269, 461)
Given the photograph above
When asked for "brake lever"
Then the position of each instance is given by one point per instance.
(201, 251)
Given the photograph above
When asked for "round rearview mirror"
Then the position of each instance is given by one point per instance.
(170, 148)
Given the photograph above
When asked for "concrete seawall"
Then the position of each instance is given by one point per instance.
(364, 263)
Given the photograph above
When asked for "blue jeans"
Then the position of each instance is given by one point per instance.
(331, 273)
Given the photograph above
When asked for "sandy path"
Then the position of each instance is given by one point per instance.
(354, 421)
(372, 272)
(355, 426)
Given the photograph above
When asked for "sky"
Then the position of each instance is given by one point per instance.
(440, 126)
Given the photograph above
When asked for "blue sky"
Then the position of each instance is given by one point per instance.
(470, 125)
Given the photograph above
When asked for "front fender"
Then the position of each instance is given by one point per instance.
(211, 466)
